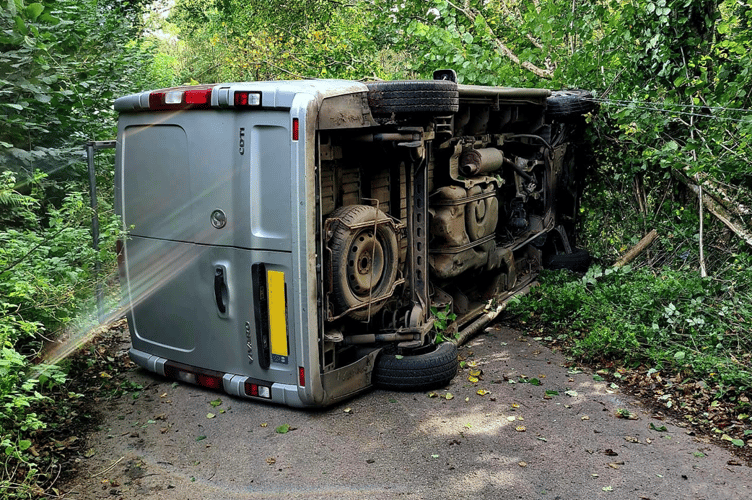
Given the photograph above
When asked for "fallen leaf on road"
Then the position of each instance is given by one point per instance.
(347, 410)
(472, 379)
(624, 413)
(520, 428)
(511, 419)
(571, 394)
(282, 429)
(264, 424)
(734, 462)
(271, 460)
(200, 438)
(610, 452)
(584, 417)
(432, 395)
(215, 403)
(522, 464)
(659, 429)
(615, 465)
(449, 396)
(607, 488)
(631, 439)
(483, 392)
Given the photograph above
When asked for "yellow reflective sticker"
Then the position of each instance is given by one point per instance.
(277, 316)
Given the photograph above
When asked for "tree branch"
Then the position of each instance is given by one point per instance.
(716, 209)
(501, 47)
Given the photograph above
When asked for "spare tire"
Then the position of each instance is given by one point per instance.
(414, 96)
(567, 105)
(364, 259)
(432, 366)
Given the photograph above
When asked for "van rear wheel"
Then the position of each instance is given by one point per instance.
(418, 96)
(431, 366)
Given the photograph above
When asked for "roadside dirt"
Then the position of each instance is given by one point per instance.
(502, 436)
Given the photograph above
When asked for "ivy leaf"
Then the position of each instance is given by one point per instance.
(34, 10)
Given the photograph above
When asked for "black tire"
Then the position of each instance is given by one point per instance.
(568, 105)
(578, 261)
(364, 262)
(417, 96)
(418, 372)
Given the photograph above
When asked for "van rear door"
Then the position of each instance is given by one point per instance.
(205, 195)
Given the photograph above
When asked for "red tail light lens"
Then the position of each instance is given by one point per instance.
(246, 99)
(295, 129)
(301, 376)
(202, 96)
(209, 381)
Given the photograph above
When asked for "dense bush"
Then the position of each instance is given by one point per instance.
(61, 64)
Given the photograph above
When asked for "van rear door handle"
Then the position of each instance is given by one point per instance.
(220, 290)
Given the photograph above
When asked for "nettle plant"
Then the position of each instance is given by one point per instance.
(443, 317)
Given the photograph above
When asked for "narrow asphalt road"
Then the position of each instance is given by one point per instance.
(561, 439)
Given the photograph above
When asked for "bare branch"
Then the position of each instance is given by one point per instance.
(636, 250)
(716, 209)
(501, 47)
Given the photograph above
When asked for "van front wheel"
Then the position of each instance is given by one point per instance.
(432, 366)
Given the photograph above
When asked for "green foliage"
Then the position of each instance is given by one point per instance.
(61, 64)
(673, 320)
(442, 319)
(237, 40)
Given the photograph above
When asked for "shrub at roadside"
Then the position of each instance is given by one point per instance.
(665, 319)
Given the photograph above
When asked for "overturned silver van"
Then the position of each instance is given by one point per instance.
(300, 241)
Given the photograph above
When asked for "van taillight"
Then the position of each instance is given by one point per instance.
(295, 129)
(205, 378)
(210, 381)
(246, 99)
(257, 390)
(301, 376)
(180, 99)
